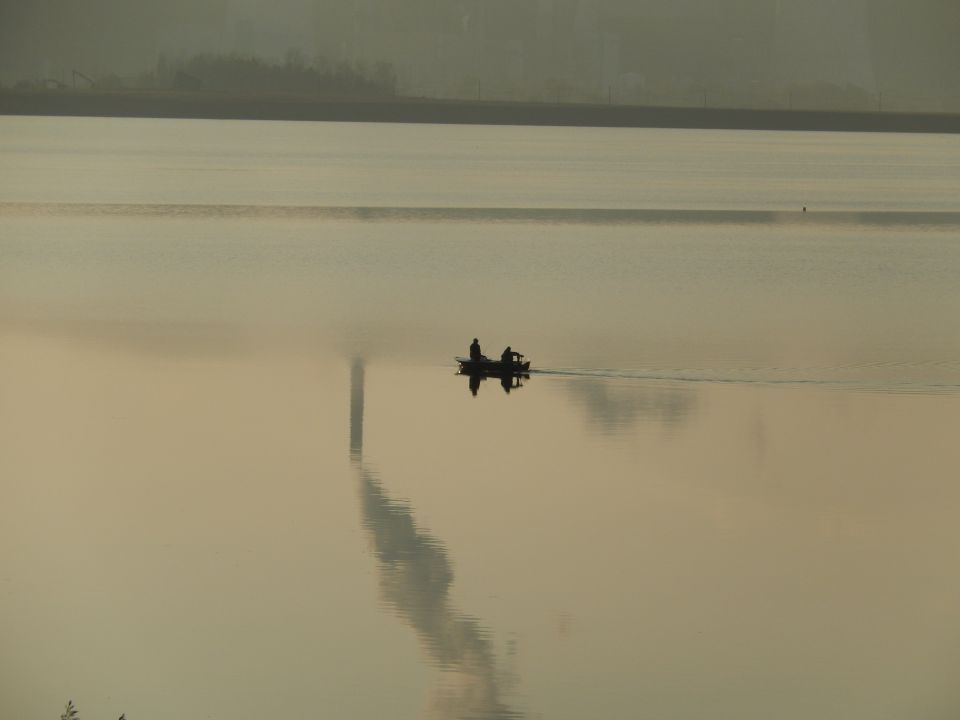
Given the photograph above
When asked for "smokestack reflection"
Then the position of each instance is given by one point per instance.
(415, 576)
(356, 410)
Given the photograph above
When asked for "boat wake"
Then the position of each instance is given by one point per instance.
(932, 378)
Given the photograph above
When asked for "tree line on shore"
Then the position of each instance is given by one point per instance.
(243, 74)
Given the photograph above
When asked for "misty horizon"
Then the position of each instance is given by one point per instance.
(736, 53)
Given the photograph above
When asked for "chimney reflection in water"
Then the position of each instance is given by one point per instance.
(415, 576)
(356, 410)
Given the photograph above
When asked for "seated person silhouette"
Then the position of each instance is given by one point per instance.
(475, 353)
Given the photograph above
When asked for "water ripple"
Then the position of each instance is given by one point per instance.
(935, 377)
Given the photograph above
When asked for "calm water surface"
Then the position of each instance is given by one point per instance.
(241, 478)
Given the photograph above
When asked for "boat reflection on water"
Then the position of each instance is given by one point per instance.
(508, 381)
(415, 575)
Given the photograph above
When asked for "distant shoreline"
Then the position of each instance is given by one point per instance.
(173, 104)
(537, 215)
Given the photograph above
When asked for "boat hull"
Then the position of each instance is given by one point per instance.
(491, 367)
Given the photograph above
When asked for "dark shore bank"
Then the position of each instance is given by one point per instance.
(406, 110)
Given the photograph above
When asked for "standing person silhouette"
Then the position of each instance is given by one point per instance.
(506, 359)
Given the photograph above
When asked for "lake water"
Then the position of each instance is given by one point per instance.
(242, 479)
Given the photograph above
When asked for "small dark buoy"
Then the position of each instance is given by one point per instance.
(804, 208)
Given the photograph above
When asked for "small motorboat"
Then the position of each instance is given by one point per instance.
(488, 366)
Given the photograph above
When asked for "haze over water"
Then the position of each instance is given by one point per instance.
(242, 478)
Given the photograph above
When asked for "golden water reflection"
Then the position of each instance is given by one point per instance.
(175, 531)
